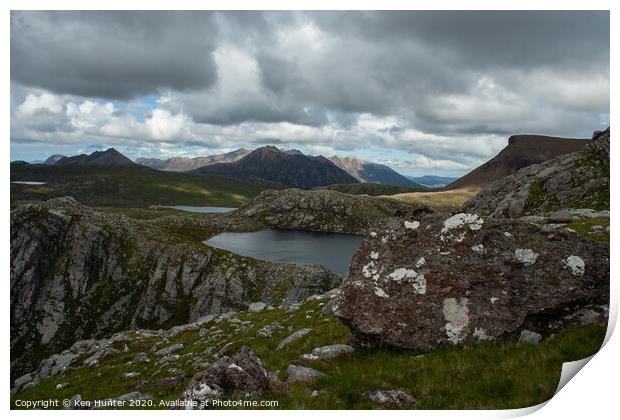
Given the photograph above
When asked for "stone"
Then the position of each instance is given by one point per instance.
(530, 337)
(295, 336)
(302, 374)
(74, 402)
(257, 306)
(328, 352)
(141, 358)
(22, 380)
(391, 398)
(242, 375)
(169, 350)
(268, 330)
(516, 284)
(561, 216)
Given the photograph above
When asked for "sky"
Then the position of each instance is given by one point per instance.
(421, 91)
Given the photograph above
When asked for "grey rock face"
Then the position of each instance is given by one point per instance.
(295, 336)
(268, 330)
(169, 350)
(530, 337)
(302, 374)
(575, 180)
(80, 274)
(257, 306)
(392, 398)
(431, 286)
(328, 352)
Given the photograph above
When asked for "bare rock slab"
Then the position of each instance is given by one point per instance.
(295, 336)
(302, 374)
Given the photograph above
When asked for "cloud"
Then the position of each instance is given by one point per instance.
(113, 55)
(439, 90)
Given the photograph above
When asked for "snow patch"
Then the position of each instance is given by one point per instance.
(374, 255)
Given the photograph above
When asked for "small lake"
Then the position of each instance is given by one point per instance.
(199, 209)
(331, 250)
(29, 182)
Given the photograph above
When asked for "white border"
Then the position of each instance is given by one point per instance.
(592, 394)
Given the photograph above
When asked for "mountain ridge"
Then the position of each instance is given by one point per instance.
(522, 150)
(289, 169)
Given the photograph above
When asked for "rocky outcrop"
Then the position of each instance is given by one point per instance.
(321, 210)
(521, 151)
(242, 375)
(576, 180)
(441, 280)
(77, 273)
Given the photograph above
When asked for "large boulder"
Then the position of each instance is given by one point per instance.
(420, 284)
(242, 375)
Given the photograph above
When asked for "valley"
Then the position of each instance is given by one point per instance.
(114, 284)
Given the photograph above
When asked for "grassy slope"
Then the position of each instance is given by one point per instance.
(134, 186)
(371, 189)
(490, 375)
(439, 200)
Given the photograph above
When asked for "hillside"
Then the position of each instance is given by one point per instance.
(372, 172)
(53, 159)
(291, 169)
(183, 164)
(130, 186)
(521, 151)
(373, 189)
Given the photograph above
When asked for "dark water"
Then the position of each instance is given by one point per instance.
(331, 250)
(198, 209)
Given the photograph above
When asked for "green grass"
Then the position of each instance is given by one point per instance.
(451, 200)
(490, 376)
(594, 228)
(134, 186)
(371, 189)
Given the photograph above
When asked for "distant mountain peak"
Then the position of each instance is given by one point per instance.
(372, 172)
(109, 157)
(290, 169)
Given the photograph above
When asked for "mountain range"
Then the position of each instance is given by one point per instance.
(372, 172)
(521, 151)
(110, 157)
(291, 169)
(183, 164)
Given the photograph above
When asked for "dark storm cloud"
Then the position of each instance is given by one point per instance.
(450, 86)
(522, 39)
(115, 55)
